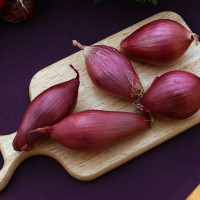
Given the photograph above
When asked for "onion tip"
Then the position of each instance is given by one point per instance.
(44, 130)
(77, 73)
(77, 44)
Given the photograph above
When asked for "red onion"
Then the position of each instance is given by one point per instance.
(18, 10)
(46, 109)
(94, 130)
(174, 95)
(111, 71)
(160, 42)
(2, 3)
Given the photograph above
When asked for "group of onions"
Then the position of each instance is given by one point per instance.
(174, 95)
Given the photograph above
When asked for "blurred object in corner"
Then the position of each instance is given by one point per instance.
(17, 10)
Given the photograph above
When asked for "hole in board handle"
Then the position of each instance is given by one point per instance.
(1, 161)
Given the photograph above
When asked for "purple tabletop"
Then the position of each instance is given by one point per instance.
(168, 172)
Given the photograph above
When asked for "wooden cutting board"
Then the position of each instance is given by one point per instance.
(195, 195)
(88, 166)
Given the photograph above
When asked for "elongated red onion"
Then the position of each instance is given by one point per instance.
(111, 71)
(174, 95)
(46, 109)
(17, 10)
(2, 3)
(160, 42)
(94, 130)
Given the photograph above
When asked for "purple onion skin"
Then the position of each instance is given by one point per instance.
(18, 10)
(174, 95)
(94, 130)
(160, 42)
(111, 71)
(46, 109)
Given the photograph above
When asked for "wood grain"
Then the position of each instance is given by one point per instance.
(88, 166)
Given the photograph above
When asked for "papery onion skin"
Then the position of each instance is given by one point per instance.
(174, 95)
(94, 130)
(111, 71)
(18, 10)
(160, 42)
(46, 109)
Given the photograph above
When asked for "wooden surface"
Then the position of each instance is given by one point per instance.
(88, 166)
(195, 195)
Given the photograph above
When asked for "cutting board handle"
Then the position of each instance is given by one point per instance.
(11, 159)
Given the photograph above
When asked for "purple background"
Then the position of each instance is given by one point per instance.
(167, 172)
